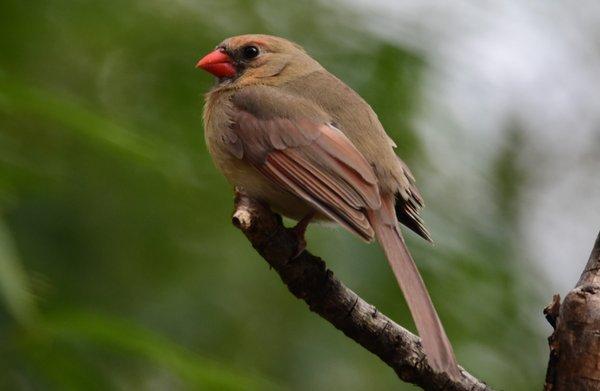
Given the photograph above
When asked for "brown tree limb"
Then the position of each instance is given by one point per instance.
(308, 278)
(574, 363)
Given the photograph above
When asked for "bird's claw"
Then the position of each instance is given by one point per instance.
(299, 231)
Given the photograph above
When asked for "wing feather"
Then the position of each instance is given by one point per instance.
(309, 157)
(304, 184)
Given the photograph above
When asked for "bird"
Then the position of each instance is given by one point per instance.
(287, 132)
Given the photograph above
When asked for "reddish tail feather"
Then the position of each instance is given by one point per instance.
(436, 345)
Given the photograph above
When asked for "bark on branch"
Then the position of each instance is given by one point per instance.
(308, 278)
(574, 363)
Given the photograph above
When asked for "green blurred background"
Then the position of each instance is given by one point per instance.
(119, 268)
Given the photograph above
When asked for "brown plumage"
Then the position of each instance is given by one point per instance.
(287, 132)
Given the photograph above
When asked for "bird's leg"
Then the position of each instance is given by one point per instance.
(299, 230)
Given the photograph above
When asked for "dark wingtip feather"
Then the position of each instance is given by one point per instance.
(409, 203)
(416, 225)
(407, 212)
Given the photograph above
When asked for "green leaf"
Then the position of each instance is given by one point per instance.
(14, 285)
(126, 337)
(19, 98)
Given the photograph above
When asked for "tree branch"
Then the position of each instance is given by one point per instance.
(574, 363)
(308, 278)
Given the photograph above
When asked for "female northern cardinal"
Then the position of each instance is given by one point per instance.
(287, 132)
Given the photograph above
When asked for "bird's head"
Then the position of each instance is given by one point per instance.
(255, 58)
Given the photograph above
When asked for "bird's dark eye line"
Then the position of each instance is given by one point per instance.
(249, 52)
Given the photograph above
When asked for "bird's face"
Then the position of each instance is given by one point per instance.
(248, 59)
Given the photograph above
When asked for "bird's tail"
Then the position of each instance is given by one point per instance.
(435, 342)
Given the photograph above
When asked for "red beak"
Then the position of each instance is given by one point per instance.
(218, 63)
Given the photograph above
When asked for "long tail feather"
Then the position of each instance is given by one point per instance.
(435, 342)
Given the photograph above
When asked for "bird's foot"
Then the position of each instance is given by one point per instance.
(299, 230)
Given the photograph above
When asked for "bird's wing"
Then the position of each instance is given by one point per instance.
(356, 118)
(409, 203)
(296, 146)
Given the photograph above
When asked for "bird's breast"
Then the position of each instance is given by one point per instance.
(238, 172)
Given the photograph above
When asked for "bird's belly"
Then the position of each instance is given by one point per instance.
(245, 177)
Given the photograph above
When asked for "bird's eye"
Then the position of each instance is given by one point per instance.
(250, 52)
